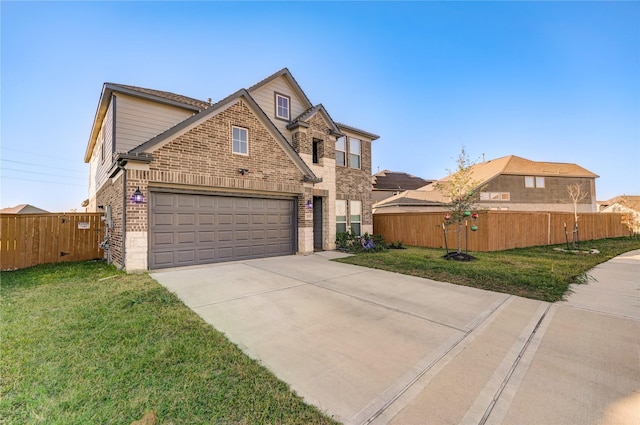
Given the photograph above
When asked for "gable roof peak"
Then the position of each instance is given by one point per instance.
(286, 74)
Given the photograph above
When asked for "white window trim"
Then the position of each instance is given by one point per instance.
(288, 99)
(351, 222)
(344, 151)
(346, 214)
(359, 154)
(246, 130)
(535, 180)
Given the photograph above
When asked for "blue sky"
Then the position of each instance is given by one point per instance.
(548, 81)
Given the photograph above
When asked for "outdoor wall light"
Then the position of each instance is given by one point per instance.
(137, 197)
(243, 171)
(309, 204)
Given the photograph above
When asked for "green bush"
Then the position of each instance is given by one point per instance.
(350, 242)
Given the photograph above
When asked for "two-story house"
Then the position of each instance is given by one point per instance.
(507, 183)
(263, 172)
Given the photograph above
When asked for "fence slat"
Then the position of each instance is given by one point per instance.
(497, 230)
(31, 239)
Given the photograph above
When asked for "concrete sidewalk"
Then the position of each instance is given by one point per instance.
(368, 346)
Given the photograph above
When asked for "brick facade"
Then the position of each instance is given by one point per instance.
(110, 195)
(199, 158)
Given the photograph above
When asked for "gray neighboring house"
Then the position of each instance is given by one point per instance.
(507, 183)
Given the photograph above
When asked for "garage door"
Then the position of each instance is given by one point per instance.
(188, 229)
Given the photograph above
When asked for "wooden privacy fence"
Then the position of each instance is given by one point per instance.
(497, 230)
(30, 239)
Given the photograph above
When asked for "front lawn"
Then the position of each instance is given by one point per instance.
(82, 343)
(540, 273)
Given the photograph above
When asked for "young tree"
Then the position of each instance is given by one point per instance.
(576, 195)
(462, 190)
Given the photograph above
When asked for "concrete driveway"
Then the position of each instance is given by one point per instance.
(373, 347)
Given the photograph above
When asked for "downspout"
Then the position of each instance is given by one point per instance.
(124, 185)
(124, 215)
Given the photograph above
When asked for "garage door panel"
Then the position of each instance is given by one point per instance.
(163, 259)
(225, 253)
(185, 219)
(206, 237)
(162, 219)
(162, 239)
(186, 238)
(225, 219)
(162, 200)
(186, 257)
(206, 255)
(188, 229)
(225, 236)
(186, 201)
(204, 219)
(242, 218)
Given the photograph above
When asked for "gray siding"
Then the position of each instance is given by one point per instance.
(100, 166)
(139, 120)
(265, 97)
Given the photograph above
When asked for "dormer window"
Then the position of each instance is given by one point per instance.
(283, 110)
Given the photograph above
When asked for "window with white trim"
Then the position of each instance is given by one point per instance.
(355, 217)
(341, 152)
(354, 153)
(341, 216)
(282, 107)
(240, 140)
(534, 182)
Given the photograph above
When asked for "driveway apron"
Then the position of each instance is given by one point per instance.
(369, 346)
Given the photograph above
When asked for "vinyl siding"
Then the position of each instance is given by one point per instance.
(265, 97)
(139, 120)
(98, 168)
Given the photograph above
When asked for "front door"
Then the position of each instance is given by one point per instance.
(317, 223)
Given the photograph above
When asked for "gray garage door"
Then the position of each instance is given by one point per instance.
(188, 229)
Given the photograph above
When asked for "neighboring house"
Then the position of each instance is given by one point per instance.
(389, 183)
(23, 209)
(627, 205)
(263, 172)
(507, 183)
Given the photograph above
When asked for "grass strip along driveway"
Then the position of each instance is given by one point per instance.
(540, 273)
(82, 343)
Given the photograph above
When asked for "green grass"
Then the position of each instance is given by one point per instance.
(84, 344)
(539, 273)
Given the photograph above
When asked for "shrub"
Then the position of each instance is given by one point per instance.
(350, 242)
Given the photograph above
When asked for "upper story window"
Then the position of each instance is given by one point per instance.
(354, 153)
(534, 182)
(341, 154)
(316, 151)
(283, 109)
(240, 140)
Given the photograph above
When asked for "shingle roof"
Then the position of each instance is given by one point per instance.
(515, 165)
(628, 201)
(394, 180)
(200, 104)
(23, 209)
(357, 130)
(414, 197)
